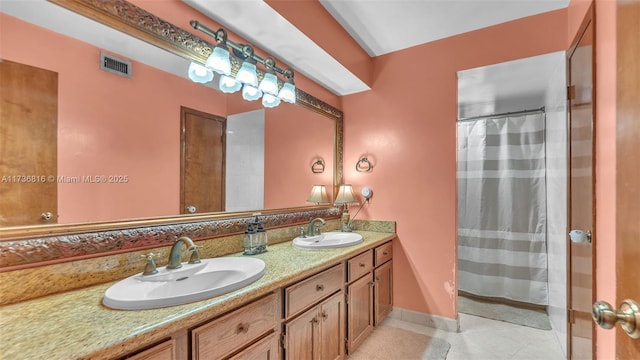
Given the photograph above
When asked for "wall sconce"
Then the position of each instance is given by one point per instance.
(344, 198)
(254, 84)
(318, 195)
(364, 165)
(317, 167)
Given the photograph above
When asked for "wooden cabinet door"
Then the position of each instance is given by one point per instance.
(383, 291)
(332, 328)
(302, 336)
(360, 311)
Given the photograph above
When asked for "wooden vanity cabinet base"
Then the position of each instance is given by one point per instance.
(224, 336)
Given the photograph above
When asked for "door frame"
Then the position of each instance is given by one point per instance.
(588, 20)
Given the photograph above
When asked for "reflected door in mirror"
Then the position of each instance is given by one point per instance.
(202, 174)
(28, 144)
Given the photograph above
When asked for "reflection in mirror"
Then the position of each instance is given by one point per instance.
(119, 139)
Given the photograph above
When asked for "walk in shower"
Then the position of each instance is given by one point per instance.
(502, 235)
(512, 187)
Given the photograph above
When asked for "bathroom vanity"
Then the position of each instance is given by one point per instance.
(310, 304)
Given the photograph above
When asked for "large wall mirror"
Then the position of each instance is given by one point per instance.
(119, 152)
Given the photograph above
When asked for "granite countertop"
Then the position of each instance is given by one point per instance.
(75, 324)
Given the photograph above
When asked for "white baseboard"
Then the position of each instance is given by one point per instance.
(434, 321)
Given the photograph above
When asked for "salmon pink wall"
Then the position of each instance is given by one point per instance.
(110, 125)
(300, 137)
(407, 124)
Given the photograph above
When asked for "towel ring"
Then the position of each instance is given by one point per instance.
(364, 165)
(317, 167)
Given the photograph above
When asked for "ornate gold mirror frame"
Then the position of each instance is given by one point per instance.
(29, 246)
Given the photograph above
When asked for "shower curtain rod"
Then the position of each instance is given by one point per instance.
(531, 111)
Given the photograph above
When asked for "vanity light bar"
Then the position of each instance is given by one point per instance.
(245, 49)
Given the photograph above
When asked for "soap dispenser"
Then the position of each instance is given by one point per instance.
(261, 235)
(250, 241)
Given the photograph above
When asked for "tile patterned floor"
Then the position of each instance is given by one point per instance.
(485, 339)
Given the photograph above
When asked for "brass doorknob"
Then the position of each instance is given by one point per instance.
(46, 216)
(628, 316)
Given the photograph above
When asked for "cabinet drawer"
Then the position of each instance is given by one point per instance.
(360, 265)
(163, 351)
(265, 349)
(222, 336)
(383, 253)
(307, 292)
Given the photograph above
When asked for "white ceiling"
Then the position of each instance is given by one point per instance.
(379, 26)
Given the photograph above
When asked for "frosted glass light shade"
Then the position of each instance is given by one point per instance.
(270, 101)
(345, 195)
(318, 195)
(219, 61)
(228, 84)
(247, 74)
(288, 92)
(269, 84)
(200, 74)
(251, 93)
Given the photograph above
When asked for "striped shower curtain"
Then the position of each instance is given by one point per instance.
(502, 249)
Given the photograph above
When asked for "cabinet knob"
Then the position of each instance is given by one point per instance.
(385, 253)
(242, 328)
(314, 320)
(319, 287)
(324, 315)
(46, 216)
(362, 264)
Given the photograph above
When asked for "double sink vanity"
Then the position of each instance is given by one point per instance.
(312, 298)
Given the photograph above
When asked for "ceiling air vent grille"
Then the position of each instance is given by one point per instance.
(114, 65)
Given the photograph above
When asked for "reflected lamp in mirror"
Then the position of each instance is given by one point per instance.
(318, 195)
(344, 198)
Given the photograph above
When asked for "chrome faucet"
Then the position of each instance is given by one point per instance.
(175, 256)
(314, 229)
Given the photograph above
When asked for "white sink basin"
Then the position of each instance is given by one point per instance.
(191, 282)
(328, 240)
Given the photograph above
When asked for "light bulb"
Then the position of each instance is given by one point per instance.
(219, 61)
(247, 74)
(270, 101)
(250, 93)
(228, 84)
(200, 74)
(269, 84)
(288, 92)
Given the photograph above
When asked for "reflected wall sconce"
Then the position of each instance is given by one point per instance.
(317, 167)
(344, 198)
(318, 195)
(364, 165)
(255, 84)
